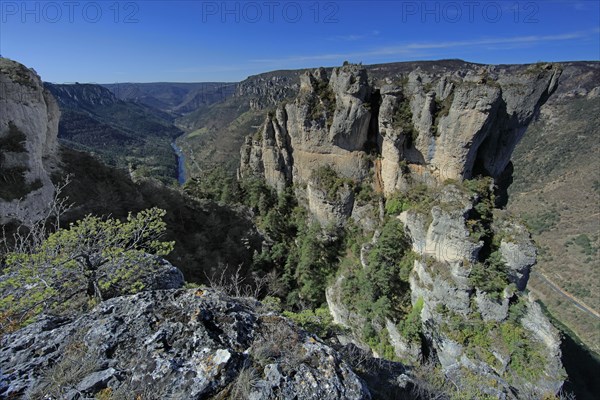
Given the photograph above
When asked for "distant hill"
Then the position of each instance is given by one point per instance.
(556, 191)
(176, 98)
(122, 133)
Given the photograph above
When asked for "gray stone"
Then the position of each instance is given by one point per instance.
(31, 109)
(177, 344)
(96, 381)
(490, 309)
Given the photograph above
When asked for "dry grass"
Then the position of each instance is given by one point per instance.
(66, 373)
(242, 386)
(278, 342)
(557, 168)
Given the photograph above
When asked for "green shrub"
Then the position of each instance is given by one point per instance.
(319, 321)
(256, 194)
(491, 276)
(72, 262)
(378, 341)
(318, 256)
(216, 184)
(541, 221)
(327, 179)
(364, 194)
(419, 198)
(585, 243)
(381, 290)
(396, 204)
(410, 327)
(14, 141)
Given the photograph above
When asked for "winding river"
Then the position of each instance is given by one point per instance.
(180, 163)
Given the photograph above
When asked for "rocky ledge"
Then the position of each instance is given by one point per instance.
(173, 344)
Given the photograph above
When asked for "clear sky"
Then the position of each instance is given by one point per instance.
(195, 41)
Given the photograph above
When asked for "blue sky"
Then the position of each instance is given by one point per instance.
(195, 41)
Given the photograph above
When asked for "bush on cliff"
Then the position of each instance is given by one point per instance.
(90, 258)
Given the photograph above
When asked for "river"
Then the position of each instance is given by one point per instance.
(180, 163)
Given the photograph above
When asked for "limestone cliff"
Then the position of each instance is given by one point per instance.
(29, 119)
(268, 89)
(448, 134)
(460, 309)
(422, 126)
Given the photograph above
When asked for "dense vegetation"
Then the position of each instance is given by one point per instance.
(301, 255)
(123, 134)
(381, 290)
(208, 236)
(93, 259)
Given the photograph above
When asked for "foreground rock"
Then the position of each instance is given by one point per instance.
(176, 344)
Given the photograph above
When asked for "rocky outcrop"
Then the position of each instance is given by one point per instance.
(424, 126)
(188, 344)
(269, 89)
(433, 129)
(444, 277)
(326, 126)
(268, 153)
(458, 124)
(326, 122)
(29, 119)
(516, 246)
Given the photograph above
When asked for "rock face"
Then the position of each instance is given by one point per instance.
(433, 130)
(269, 89)
(327, 124)
(423, 126)
(458, 124)
(29, 119)
(441, 277)
(173, 344)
